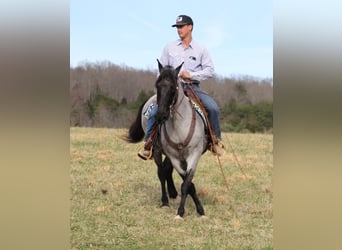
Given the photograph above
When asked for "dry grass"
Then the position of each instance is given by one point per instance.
(115, 196)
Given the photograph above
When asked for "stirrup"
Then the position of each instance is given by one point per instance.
(144, 157)
(220, 144)
(217, 148)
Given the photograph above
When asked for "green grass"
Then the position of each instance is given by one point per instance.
(115, 196)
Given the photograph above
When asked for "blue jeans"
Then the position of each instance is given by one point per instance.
(209, 104)
(151, 121)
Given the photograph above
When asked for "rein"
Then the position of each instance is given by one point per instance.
(174, 107)
(174, 101)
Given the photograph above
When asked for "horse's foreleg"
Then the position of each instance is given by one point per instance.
(170, 184)
(184, 190)
(162, 175)
(193, 194)
(162, 179)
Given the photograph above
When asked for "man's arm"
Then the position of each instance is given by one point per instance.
(207, 70)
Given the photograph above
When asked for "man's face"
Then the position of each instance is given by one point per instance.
(183, 30)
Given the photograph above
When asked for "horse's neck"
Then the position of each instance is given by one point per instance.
(182, 98)
(182, 119)
(182, 107)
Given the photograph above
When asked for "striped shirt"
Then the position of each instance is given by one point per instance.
(196, 58)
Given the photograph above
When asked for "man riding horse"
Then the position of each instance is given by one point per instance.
(197, 66)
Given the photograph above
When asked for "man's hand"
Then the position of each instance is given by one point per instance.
(184, 74)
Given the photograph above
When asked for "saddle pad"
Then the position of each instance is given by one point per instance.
(199, 111)
(197, 108)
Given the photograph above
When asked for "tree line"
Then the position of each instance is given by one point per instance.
(104, 94)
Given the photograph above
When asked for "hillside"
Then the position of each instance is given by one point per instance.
(108, 95)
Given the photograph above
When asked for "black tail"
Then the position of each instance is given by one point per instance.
(136, 132)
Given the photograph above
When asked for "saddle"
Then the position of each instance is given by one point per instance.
(200, 109)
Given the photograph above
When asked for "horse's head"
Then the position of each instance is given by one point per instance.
(167, 89)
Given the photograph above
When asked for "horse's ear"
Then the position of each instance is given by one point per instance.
(178, 68)
(160, 66)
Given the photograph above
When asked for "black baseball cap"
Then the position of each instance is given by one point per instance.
(183, 20)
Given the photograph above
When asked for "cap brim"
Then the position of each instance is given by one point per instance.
(179, 24)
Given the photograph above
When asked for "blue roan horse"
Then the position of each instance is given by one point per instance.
(182, 137)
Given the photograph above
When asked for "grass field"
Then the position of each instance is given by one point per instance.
(115, 196)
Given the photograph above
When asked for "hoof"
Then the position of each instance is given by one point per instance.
(165, 206)
(203, 217)
(179, 218)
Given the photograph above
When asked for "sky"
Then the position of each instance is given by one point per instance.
(238, 34)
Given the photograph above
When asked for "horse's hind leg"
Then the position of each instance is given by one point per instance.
(170, 184)
(193, 194)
